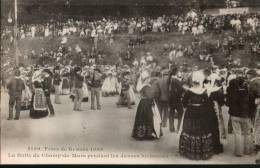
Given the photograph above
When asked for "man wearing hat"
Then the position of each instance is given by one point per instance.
(56, 83)
(175, 91)
(124, 95)
(78, 85)
(47, 85)
(15, 87)
(95, 84)
(163, 96)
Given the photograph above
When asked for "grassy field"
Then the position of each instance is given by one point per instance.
(154, 44)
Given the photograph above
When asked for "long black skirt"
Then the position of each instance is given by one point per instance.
(217, 146)
(36, 114)
(144, 123)
(196, 140)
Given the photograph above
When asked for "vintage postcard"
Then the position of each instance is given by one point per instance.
(130, 82)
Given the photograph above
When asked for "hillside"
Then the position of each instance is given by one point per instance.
(154, 44)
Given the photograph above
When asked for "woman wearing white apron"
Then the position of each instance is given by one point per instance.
(39, 107)
(147, 123)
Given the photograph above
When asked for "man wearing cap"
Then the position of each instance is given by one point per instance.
(15, 87)
(95, 84)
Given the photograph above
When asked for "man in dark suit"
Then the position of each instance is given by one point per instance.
(176, 92)
(15, 87)
(47, 85)
(96, 84)
(56, 83)
(78, 85)
(124, 95)
(163, 96)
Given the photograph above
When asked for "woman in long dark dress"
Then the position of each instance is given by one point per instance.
(38, 105)
(215, 102)
(147, 121)
(196, 140)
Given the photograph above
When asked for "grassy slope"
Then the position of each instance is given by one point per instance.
(154, 44)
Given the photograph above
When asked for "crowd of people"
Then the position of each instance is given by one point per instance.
(194, 22)
(244, 31)
(195, 97)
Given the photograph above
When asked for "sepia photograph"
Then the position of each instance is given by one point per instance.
(130, 82)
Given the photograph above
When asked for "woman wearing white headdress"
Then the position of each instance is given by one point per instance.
(196, 140)
(147, 120)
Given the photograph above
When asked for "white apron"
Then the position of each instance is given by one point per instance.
(156, 120)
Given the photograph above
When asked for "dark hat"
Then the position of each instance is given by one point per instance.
(56, 68)
(239, 71)
(126, 73)
(17, 72)
(174, 70)
(97, 70)
(251, 72)
(36, 69)
(156, 74)
(48, 71)
(165, 71)
(77, 69)
(206, 71)
(37, 84)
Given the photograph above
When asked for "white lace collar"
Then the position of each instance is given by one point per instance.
(197, 90)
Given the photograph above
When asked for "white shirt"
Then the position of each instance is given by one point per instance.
(233, 22)
(238, 23)
(93, 33)
(201, 29)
